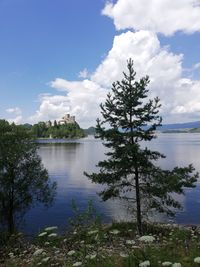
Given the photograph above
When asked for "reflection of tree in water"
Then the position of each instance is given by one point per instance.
(67, 161)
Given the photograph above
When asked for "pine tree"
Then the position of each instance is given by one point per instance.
(129, 172)
(55, 124)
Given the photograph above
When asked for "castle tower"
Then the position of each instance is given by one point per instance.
(67, 119)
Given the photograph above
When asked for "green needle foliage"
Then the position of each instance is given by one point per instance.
(23, 179)
(129, 172)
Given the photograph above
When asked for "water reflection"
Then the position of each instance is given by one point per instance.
(66, 163)
(181, 150)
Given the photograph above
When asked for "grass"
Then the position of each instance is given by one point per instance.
(116, 245)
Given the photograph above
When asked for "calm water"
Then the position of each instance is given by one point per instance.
(67, 161)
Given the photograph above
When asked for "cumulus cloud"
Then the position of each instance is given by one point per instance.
(83, 74)
(178, 95)
(17, 113)
(51, 108)
(82, 98)
(149, 58)
(196, 66)
(144, 19)
(192, 71)
(189, 103)
(160, 16)
(14, 110)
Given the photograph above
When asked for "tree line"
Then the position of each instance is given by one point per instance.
(55, 130)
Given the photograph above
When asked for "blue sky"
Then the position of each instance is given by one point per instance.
(46, 44)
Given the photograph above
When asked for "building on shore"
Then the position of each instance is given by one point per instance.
(67, 119)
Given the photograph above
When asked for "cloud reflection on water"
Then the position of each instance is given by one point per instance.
(66, 163)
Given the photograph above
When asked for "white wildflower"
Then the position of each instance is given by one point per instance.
(42, 234)
(38, 252)
(136, 247)
(51, 228)
(147, 238)
(11, 255)
(144, 264)
(130, 242)
(197, 260)
(71, 252)
(78, 263)
(52, 235)
(114, 232)
(123, 255)
(46, 259)
(176, 264)
(93, 256)
(93, 232)
(166, 263)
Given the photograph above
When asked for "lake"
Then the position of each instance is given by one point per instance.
(67, 160)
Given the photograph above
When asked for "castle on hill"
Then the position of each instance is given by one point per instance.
(67, 119)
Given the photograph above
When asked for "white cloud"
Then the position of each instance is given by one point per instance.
(178, 95)
(82, 98)
(196, 66)
(51, 107)
(17, 113)
(149, 58)
(188, 94)
(83, 74)
(16, 120)
(161, 16)
(15, 110)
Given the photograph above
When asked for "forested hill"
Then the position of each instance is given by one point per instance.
(73, 130)
(90, 131)
(55, 130)
(186, 125)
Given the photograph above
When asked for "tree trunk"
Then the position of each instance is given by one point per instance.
(11, 223)
(138, 203)
(137, 186)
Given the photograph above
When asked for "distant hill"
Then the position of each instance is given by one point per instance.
(175, 126)
(185, 130)
(90, 131)
(27, 126)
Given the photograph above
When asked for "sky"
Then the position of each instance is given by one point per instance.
(62, 56)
